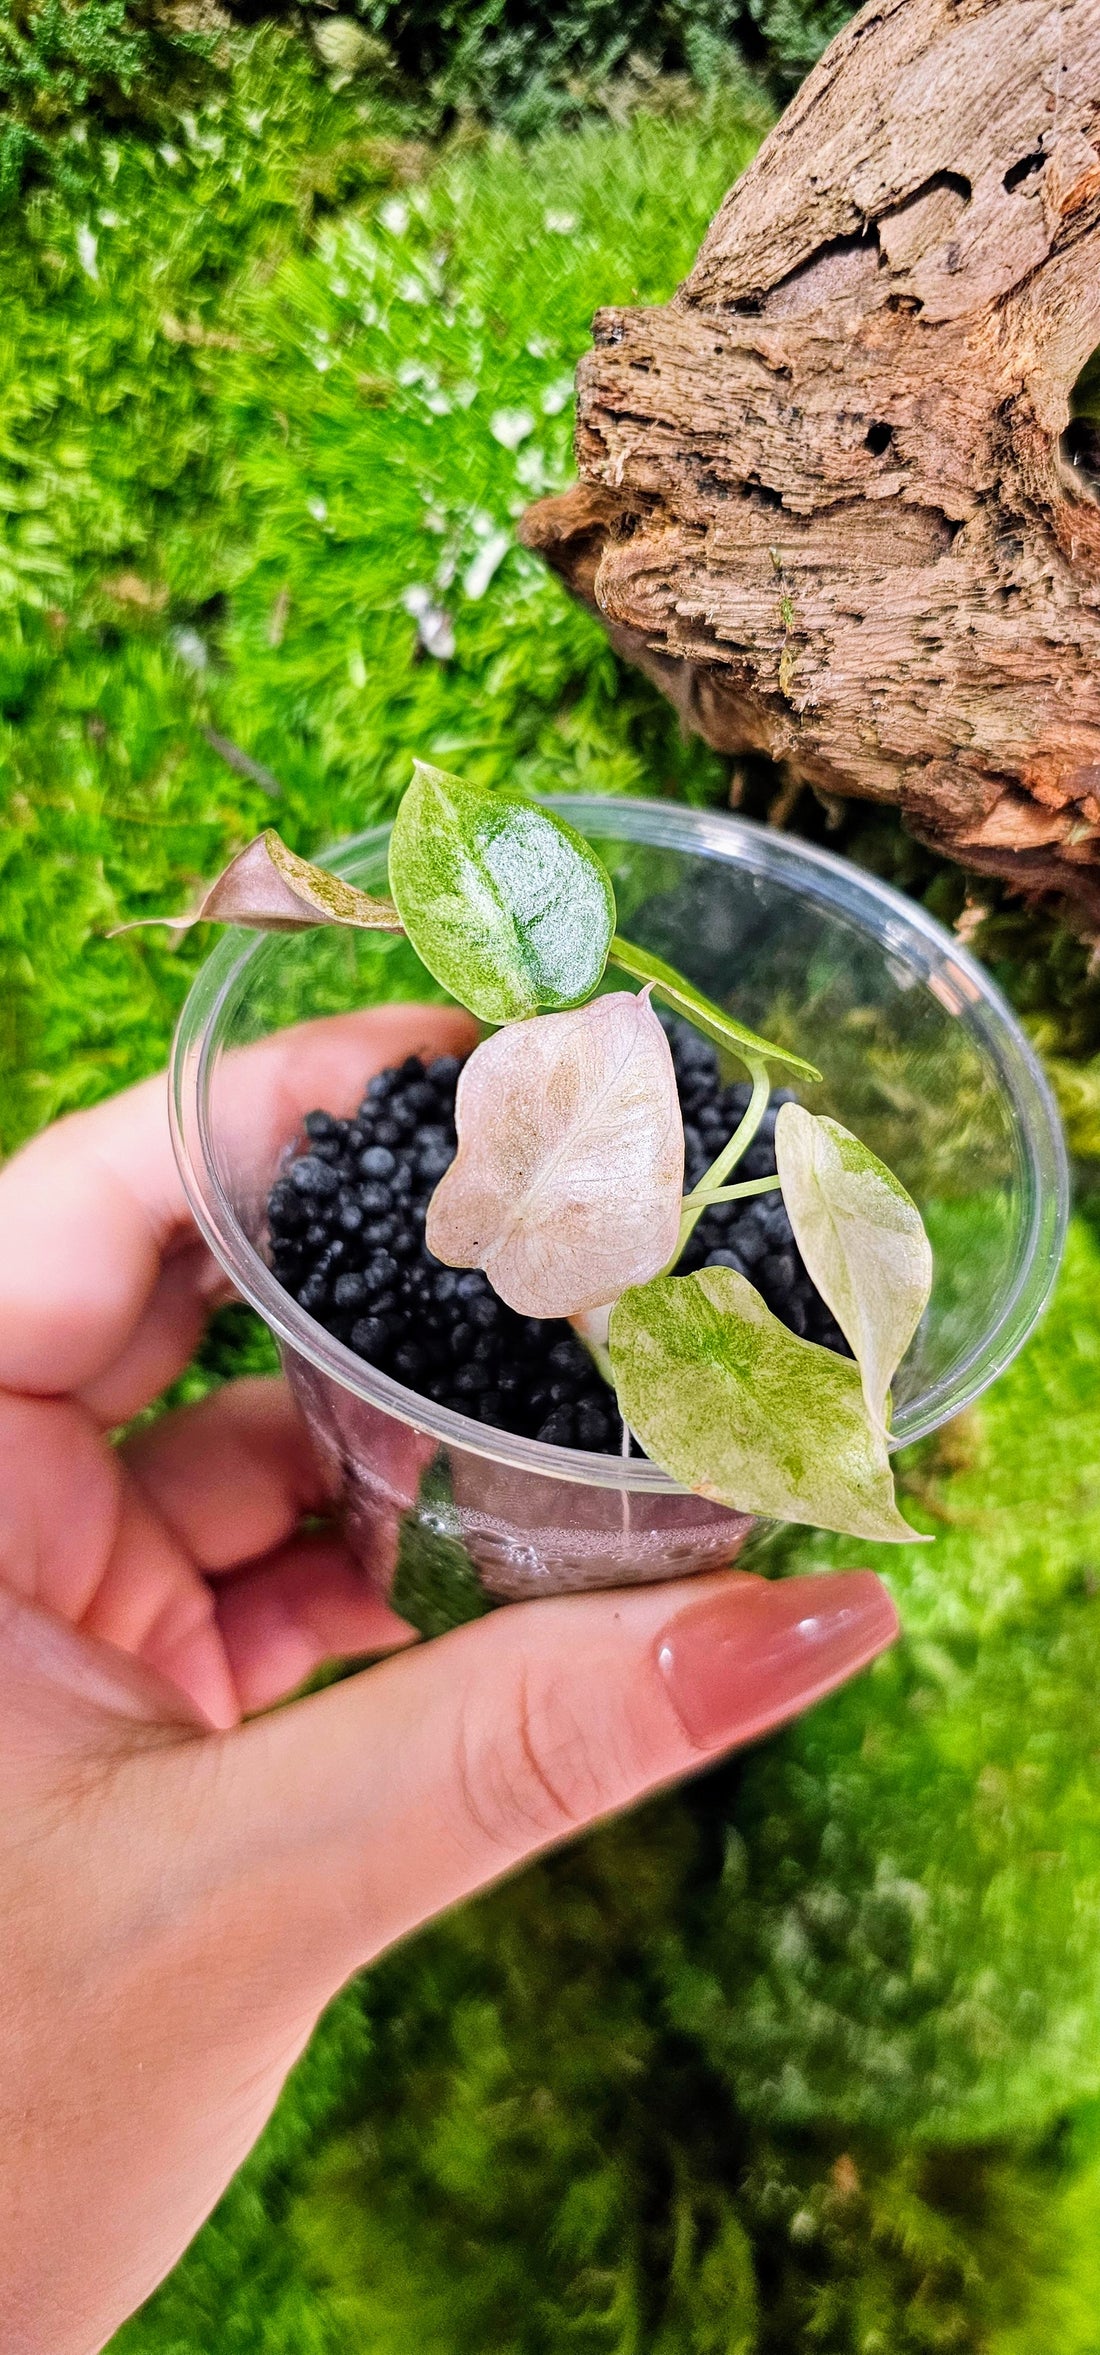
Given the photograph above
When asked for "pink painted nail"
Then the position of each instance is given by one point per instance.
(747, 1658)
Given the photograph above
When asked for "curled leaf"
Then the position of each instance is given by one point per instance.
(708, 1017)
(861, 1238)
(570, 1166)
(268, 888)
(740, 1410)
(506, 905)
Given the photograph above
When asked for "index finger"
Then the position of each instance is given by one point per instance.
(104, 1285)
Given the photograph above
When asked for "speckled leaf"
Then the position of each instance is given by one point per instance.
(567, 1182)
(739, 1409)
(861, 1238)
(268, 888)
(506, 905)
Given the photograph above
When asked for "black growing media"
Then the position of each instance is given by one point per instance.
(347, 1240)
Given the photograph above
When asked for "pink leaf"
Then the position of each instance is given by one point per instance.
(269, 888)
(567, 1183)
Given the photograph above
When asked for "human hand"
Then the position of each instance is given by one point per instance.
(181, 1892)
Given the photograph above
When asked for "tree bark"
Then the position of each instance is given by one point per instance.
(825, 499)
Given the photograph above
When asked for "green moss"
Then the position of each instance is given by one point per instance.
(108, 60)
(904, 1934)
(231, 454)
(524, 64)
(539, 2165)
(532, 64)
(435, 1585)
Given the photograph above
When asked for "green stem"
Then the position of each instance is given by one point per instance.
(743, 1134)
(711, 1019)
(601, 1357)
(692, 1209)
(704, 1198)
(587, 1327)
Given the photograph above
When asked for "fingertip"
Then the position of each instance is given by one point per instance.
(307, 1605)
(76, 1267)
(329, 1060)
(196, 1663)
(758, 1652)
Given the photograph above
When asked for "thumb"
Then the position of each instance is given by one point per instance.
(383, 1800)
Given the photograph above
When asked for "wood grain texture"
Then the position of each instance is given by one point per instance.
(824, 500)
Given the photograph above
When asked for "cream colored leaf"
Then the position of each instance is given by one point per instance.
(268, 888)
(861, 1238)
(739, 1409)
(567, 1182)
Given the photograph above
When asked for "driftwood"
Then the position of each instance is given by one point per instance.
(826, 497)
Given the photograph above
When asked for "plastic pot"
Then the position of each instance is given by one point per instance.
(922, 1058)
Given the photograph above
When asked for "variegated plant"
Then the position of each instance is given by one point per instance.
(567, 1185)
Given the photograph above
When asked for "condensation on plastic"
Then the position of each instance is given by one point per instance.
(921, 1056)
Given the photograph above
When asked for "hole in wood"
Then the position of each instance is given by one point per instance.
(1080, 443)
(878, 438)
(1024, 169)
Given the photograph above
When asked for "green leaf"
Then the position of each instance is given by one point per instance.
(712, 1020)
(569, 1174)
(739, 1409)
(268, 888)
(861, 1238)
(507, 906)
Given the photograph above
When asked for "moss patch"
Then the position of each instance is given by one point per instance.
(245, 438)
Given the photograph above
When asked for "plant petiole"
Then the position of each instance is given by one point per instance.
(712, 1020)
(590, 1326)
(601, 1355)
(703, 1197)
(715, 1177)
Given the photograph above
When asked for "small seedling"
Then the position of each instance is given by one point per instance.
(567, 1185)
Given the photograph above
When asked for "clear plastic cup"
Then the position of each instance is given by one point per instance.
(922, 1058)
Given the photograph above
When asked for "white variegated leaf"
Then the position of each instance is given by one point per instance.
(736, 1407)
(861, 1238)
(567, 1182)
(508, 906)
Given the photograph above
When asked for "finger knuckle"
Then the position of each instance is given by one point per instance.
(530, 1771)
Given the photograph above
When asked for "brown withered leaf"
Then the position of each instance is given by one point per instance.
(268, 888)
